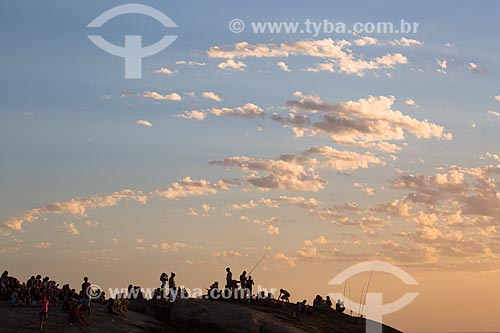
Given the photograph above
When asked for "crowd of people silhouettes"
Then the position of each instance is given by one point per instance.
(38, 292)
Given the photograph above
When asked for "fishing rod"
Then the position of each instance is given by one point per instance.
(258, 262)
(349, 291)
(361, 299)
(366, 293)
(343, 295)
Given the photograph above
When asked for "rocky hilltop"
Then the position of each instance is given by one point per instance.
(189, 316)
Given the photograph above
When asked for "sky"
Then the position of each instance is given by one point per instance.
(318, 151)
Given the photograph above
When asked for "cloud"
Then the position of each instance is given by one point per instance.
(41, 245)
(297, 172)
(283, 66)
(473, 66)
(211, 95)
(310, 253)
(144, 123)
(194, 114)
(366, 40)
(320, 240)
(190, 63)
(227, 254)
(497, 98)
(336, 51)
(281, 258)
(89, 224)
(154, 95)
(188, 187)
(368, 122)
(325, 67)
(207, 208)
(368, 190)
(411, 102)
(168, 246)
(304, 203)
(442, 63)
(230, 64)
(128, 94)
(273, 230)
(494, 113)
(340, 160)
(76, 206)
(274, 174)
(164, 70)
(70, 228)
(406, 42)
(249, 110)
(300, 201)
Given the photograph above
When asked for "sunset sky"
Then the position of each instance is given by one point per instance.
(319, 152)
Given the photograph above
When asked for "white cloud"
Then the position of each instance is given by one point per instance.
(336, 51)
(227, 253)
(249, 110)
(320, 240)
(164, 70)
(144, 123)
(368, 122)
(207, 208)
(154, 95)
(230, 64)
(366, 40)
(70, 228)
(167, 246)
(75, 206)
(443, 65)
(188, 187)
(283, 66)
(324, 67)
(297, 172)
(190, 63)
(410, 101)
(211, 95)
(194, 114)
(41, 245)
(497, 98)
(273, 230)
(281, 258)
(368, 190)
(274, 174)
(494, 113)
(403, 41)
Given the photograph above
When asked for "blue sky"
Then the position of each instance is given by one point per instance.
(68, 131)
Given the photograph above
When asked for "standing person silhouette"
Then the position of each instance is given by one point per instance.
(171, 286)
